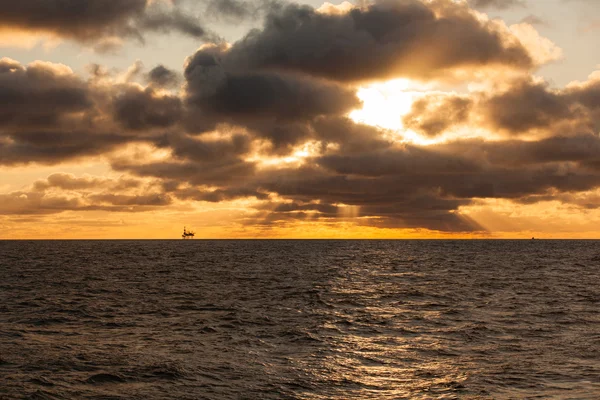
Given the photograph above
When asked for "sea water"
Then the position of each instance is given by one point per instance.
(300, 319)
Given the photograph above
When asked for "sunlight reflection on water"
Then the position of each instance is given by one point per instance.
(300, 319)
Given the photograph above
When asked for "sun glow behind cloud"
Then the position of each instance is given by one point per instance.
(384, 105)
(296, 158)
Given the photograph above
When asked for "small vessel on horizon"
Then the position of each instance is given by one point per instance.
(188, 234)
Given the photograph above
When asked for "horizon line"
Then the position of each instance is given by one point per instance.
(282, 239)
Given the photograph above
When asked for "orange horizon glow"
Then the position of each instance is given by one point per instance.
(156, 226)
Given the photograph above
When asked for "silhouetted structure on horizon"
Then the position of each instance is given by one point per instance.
(187, 234)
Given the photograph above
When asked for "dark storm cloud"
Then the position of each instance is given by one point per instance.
(421, 211)
(227, 95)
(161, 76)
(522, 107)
(526, 106)
(433, 115)
(587, 94)
(394, 201)
(273, 214)
(587, 201)
(52, 147)
(465, 170)
(198, 162)
(208, 151)
(323, 209)
(257, 95)
(282, 135)
(406, 161)
(386, 205)
(429, 211)
(386, 39)
(406, 186)
(71, 18)
(228, 172)
(351, 137)
(392, 185)
(282, 108)
(339, 131)
(457, 170)
(273, 81)
(516, 168)
(92, 20)
(142, 109)
(49, 115)
(219, 195)
(39, 94)
(582, 149)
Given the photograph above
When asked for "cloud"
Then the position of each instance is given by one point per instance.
(46, 114)
(137, 108)
(434, 115)
(265, 121)
(71, 182)
(383, 40)
(521, 107)
(574, 109)
(93, 20)
(296, 101)
(498, 4)
(252, 95)
(162, 77)
(50, 115)
(265, 95)
(525, 106)
(65, 192)
(40, 93)
(394, 187)
(541, 49)
(173, 20)
(348, 136)
(339, 9)
(235, 10)
(52, 147)
(277, 106)
(534, 20)
(404, 186)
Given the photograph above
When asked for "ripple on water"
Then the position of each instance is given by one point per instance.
(300, 319)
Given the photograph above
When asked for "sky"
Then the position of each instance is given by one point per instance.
(282, 119)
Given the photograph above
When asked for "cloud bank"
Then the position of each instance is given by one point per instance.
(267, 119)
(98, 21)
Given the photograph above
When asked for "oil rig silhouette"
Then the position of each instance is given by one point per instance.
(188, 234)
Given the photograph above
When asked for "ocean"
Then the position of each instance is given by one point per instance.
(300, 319)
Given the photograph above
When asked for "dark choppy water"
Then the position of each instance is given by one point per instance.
(300, 320)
